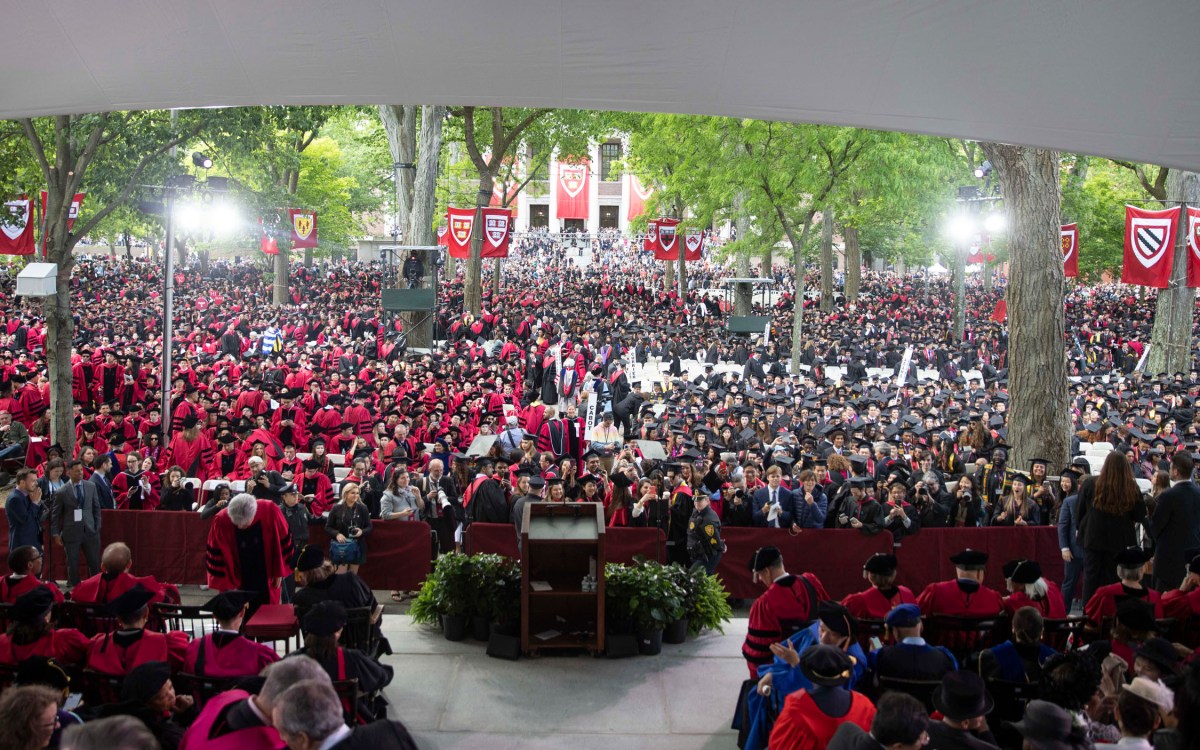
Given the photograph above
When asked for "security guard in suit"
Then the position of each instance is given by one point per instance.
(704, 535)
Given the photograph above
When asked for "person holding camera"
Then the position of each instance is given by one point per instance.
(966, 510)
(931, 501)
(652, 507)
(349, 524)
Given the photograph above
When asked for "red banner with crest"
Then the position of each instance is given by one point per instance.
(1069, 240)
(459, 223)
(304, 227)
(667, 247)
(693, 244)
(497, 229)
(1193, 247)
(72, 215)
(638, 195)
(1149, 246)
(16, 227)
(650, 239)
(442, 236)
(572, 179)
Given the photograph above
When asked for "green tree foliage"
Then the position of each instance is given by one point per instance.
(1097, 203)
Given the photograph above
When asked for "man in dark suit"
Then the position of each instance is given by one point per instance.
(102, 478)
(1176, 525)
(25, 512)
(773, 503)
(1068, 544)
(75, 521)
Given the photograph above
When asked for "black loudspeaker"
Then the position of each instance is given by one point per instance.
(620, 646)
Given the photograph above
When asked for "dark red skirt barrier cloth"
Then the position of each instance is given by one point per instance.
(272, 622)
(620, 544)
(170, 546)
(925, 556)
(836, 556)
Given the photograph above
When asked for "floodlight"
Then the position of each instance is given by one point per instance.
(202, 161)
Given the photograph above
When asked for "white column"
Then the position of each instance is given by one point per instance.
(593, 222)
(554, 225)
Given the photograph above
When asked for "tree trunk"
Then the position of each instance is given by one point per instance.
(1170, 341)
(400, 124)
(424, 202)
(308, 257)
(959, 317)
(417, 324)
(743, 294)
(827, 260)
(473, 286)
(279, 289)
(768, 262)
(853, 262)
(60, 326)
(1039, 418)
(497, 267)
(988, 271)
(669, 277)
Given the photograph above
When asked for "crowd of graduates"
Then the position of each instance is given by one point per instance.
(280, 397)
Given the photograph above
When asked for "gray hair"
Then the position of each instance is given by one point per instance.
(113, 733)
(932, 478)
(1129, 574)
(287, 672)
(311, 708)
(1038, 589)
(883, 448)
(242, 508)
(255, 460)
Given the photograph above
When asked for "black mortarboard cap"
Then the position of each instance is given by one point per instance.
(764, 557)
(880, 563)
(1026, 572)
(229, 604)
(144, 681)
(311, 558)
(127, 605)
(32, 604)
(326, 618)
(970, 558)
(1132, 557)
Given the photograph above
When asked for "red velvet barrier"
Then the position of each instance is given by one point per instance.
(925, 556)
(620, 544)
(835, 556)
(170, 546)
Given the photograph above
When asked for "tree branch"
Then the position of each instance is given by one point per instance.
(99, 216)
(469, 138)
(35, 143)
(520, 127)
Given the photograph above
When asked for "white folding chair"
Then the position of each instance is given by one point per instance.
(341, 472)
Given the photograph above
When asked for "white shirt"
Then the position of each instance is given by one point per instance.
(338, 735)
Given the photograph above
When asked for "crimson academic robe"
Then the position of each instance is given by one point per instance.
(1050, 606)
(221, 561)
(118, 653)
(221, 726)
(803, 726)
(67, 645)
(1181, 605)
(1104, 602)
(874, 603)
(124, 482)
(12, 587)
(104, 587)
(787, 605)
(225, 654)
(194, 456)
(321, 490)
(960, 599)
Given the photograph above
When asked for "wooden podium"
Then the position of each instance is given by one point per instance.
(561, 543)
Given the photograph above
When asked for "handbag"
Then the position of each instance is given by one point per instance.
(341, 553)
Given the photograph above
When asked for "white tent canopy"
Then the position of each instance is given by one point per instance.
(1109, 77)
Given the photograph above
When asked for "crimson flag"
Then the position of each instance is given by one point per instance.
(443, 236)
(638, 196)
(497, 228)
(693, 244)
(16, 227)
(304, 227)
(667, 247)
(650, 241)
(458, 239)
(498, 196)
(72, 214)
(1149, 246)
(573, 190)
(1000, 312)
(268, 245)
(1070, 249)
(1193, 243)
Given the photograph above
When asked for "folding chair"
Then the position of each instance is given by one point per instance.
(922, 690)
(963, 635)
(187, 619)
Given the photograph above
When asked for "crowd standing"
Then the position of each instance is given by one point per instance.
(752, 444)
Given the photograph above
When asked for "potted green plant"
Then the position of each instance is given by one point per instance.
(677, 630)
(497, 592)
(655, 602)
(619, 640)
(449, 594)
(707, 602)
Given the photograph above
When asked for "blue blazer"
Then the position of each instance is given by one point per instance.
(1068, 536)
(762, 496)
